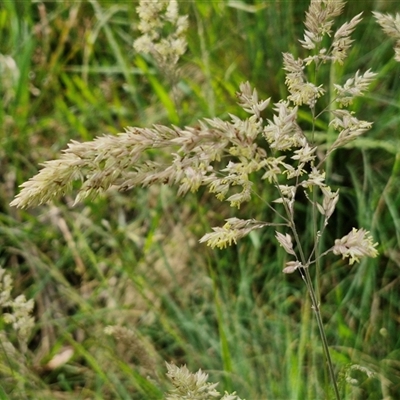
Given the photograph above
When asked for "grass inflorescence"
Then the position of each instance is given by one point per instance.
(120, 282)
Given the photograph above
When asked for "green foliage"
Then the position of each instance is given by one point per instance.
(133, 261)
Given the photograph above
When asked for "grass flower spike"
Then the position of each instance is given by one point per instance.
(157, 17)
(391, 26)
(189, 386)
(355, 245)
(18, 310)
(319, 21)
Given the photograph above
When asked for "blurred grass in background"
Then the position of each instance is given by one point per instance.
(68, 71)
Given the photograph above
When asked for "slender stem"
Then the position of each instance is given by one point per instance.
(315, 306)
(305, 274)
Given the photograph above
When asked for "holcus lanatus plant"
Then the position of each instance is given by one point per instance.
(230, 157)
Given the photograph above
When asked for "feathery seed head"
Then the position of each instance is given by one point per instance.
(355, 245)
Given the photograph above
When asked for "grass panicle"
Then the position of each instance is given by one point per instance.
(288, 161)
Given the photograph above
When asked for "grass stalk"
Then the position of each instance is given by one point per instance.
(325, 346)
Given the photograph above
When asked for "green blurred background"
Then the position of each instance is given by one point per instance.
(68, 71)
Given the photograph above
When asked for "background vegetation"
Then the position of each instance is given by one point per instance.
(134, 260)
